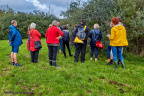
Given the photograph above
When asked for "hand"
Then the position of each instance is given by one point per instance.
(108, 35)
(9, 41)
(58, 37)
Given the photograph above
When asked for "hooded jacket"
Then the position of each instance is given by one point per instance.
(118, 36)
(14, 36)
(95, 35)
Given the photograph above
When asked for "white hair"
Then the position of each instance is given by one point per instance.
(32, 26)
(54, 22)
(96, 26)
(13, 21)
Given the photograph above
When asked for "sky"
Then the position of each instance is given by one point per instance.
(55, 6)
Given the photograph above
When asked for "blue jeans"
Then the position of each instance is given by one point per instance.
(109, 51)
(94, 48)
(117, 50)
(60, 41)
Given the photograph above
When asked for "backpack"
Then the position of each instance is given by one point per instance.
(81, 33)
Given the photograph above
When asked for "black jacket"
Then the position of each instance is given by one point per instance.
(66, 36)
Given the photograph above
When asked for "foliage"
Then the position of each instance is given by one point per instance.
(71, 79)
(102, 11)
(24, 20)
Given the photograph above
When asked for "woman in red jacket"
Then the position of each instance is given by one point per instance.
(34, 35)
(53, 34)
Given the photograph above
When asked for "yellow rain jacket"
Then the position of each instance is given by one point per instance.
(118, 36)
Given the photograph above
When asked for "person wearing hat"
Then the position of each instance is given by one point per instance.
(118, 39)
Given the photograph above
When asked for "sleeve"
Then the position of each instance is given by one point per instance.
(90, 35)
(69, 36)
(14, 32)
(112, 34)
(75, 31)
(100, 35)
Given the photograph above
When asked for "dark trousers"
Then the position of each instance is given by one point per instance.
(94, 48)
(109, 51)
(67, 44)
(34, 56)
(80, 48)
(52, 53)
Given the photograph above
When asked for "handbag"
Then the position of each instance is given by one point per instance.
(37, 44)
(77, 40)
(99, 45)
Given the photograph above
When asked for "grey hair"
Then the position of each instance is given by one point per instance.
(54, 22)
(13, 21)
(32, 26)
(96, 26)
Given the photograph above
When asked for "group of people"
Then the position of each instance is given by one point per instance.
(56, 35)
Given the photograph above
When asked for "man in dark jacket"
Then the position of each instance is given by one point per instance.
(81, 47)
(15, 41)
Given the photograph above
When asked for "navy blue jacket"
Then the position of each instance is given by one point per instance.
(86, 31)
(95, 35)
(66, 36)
(14, 36)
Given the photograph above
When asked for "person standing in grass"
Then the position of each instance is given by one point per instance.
(65, 40)
(118, 39)
(34, 35)
(81, 47)
(95, 35)
(15, 41)
(53, 34)
(60, 41)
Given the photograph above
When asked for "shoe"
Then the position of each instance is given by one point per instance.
(96, 60)
(54, 64)
(13, 63)
(75, 60)
(110, 63)
(119, 63)
(91, 58)
(17, 64)
(57, 52)
(108, 60)
(82, 61)
(71, 55)
(61, 52)
(50, 62)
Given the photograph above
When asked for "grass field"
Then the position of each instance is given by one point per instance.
(70, 79)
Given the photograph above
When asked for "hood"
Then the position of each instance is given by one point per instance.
(119, 27)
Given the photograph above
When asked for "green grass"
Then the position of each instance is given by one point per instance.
(71, 79)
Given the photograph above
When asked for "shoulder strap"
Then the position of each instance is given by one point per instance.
(31, 35)
(85, 28)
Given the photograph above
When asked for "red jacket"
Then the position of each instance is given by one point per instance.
(52, 33)
(36, 37)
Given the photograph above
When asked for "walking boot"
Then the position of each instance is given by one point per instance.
(54, 64)
(123, 65)
(116, 64)
(50, 62)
